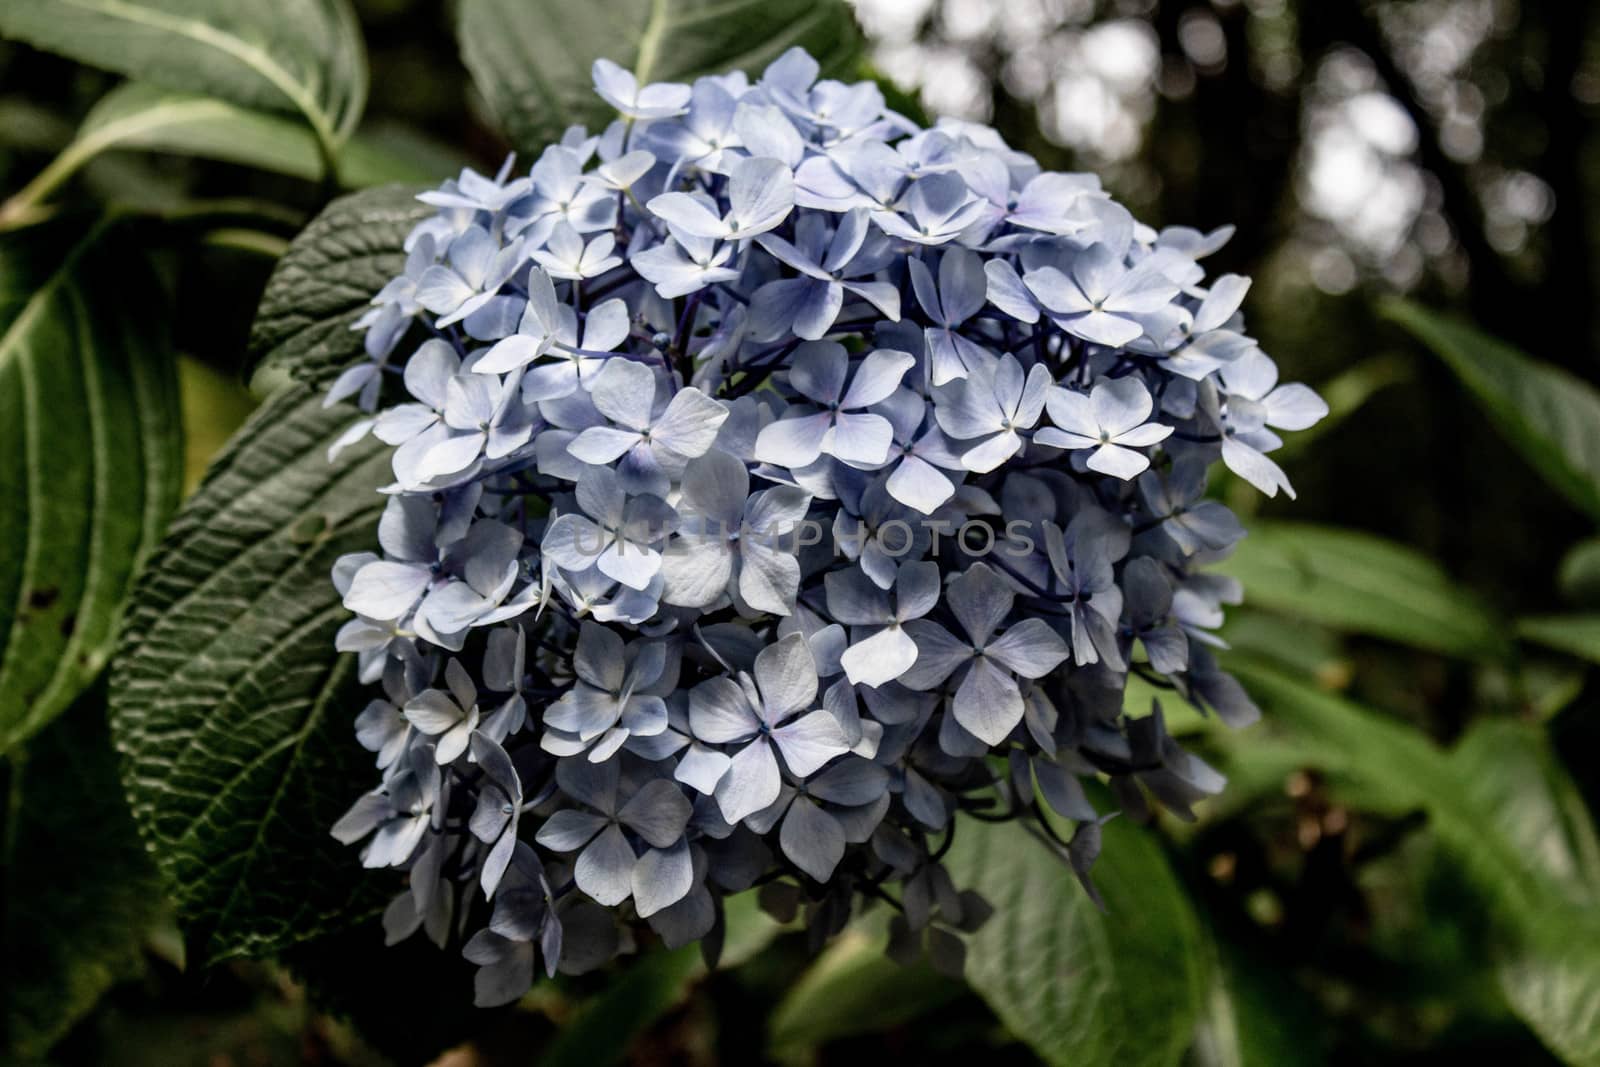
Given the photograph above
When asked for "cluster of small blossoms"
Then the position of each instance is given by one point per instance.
(775, 480)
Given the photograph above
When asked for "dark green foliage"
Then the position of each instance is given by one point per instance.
(79, 895)
(91, 457)
(228, 705)
(325, 279)
(1083, 987)
(1404, 867)
(531, 60)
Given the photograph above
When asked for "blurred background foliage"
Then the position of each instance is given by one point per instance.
(1393, 872)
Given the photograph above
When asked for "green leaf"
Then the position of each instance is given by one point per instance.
(1505, 811)
(530, 58)
(1577, 635)
(1549, 969)
(326, 281)
(1399, 763)
(91, 456)
(853, 988)
(386, 151)
(228, 699)
(1305, 647)
(1346, 393)
(1084, 989)
(600, 1033)
(79, 894)
(746, 929)
(1579, 575)
(1551, 416)
(1516, 781)
(608, 1024)
(299, 56)
(215, 404)
(136, 115)
(32, 126)
(1255, 1016)
(1363, 584)
(1551, 977)
(230, 707)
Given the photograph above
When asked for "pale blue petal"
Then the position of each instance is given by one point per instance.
(1030, 648)
(812, 839)
(876, 377)
(750, 784)
(881, 658)
(980, 600)
(658, 812)
(938, 654)
(662, 877)
(720, 713)
(810, 741)
(794, 441)
(569, 830)
(605, 868)
(786, 675)
(988, 703)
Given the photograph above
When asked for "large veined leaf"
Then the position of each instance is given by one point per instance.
(136, 115)
(1551, 977)
(91, 457)
(530, 58)
(1515, 778)
(1363, 584)
(1550, 969)
(301, 56)
(230, 707)
(1335, 734)
(1551, 416)
(326, 279)
(1506, 813)
(1084, 989)
(80, 894)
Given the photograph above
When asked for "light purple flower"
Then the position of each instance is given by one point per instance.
(758, 714)
(988, 701)
(839, 425)
(1110, 419)
(760, 197)
(620, 89)
(987, 412)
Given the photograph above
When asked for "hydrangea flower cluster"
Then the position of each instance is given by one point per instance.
(774, 480)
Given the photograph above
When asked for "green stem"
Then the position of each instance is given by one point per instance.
(245, 239)
(220, 211)
(23, 207)
(328, 152)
